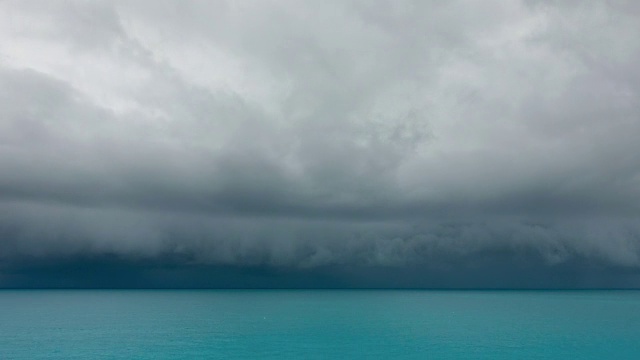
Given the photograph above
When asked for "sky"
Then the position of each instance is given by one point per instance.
(320, 144)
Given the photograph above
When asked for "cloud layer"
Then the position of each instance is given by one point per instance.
(412, 138)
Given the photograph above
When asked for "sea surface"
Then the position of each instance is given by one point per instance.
(319, 324)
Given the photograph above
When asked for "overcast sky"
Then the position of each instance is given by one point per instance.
(320, 143)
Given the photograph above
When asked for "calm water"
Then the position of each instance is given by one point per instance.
(319, 324)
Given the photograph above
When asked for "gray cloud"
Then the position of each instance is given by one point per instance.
(334, 138)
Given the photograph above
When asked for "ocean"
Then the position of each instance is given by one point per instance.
(319, 324)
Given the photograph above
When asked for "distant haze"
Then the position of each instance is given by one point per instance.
(320, 144)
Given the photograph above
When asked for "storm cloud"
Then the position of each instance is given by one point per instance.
(319, 144)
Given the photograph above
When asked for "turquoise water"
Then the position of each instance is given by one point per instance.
(108, 324)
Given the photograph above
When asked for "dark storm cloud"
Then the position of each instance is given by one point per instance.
(337, 143)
